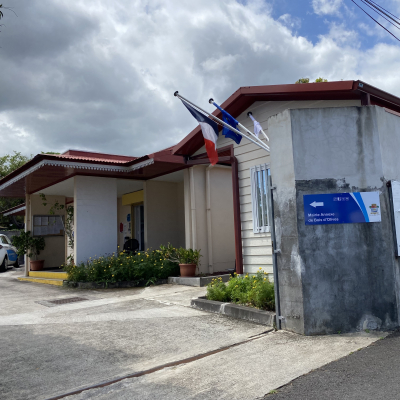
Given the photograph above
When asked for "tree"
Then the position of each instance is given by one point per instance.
(8, 164)
(303, 80)
(307, 80)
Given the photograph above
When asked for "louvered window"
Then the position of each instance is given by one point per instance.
(259, 189)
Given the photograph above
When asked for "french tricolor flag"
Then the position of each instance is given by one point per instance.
(210, 133)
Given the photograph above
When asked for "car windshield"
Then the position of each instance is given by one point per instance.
(3, 240)
(8, 240)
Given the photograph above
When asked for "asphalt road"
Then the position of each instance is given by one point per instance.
(370, 373)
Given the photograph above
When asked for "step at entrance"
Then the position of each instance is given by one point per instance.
(57, 282)
(46, 277)
(48, 274)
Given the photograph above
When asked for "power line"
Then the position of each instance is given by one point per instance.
(370, 1)
(378, 11)
(387, 30)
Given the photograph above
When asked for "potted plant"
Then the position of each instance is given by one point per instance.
(31, 246)
(188, 260)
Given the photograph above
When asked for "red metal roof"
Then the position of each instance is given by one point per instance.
(92, 156)
(245, 96)
(46, 169)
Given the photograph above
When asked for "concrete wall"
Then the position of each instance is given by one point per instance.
(257, 247)
(221, 235)
(333, 277)
(198, 214)
(181, 214)
(209, 216)
(163, 214)
(95, 217)
(123, 212)
(54, 252)
(285, 209)
(389, 139)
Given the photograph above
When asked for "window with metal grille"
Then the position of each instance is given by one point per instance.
(259, 189)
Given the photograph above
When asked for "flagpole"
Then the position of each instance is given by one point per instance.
(211, 101)
(263, 146)
(262, 130)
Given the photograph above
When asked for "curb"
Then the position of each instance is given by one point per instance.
(198, 281)
(110, 285)
(235, 311)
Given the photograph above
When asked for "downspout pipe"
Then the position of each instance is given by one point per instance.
(275, 252)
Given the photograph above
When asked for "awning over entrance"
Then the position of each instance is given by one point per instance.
(45, 170)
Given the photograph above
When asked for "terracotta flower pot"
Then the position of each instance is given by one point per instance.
(37, 265)
(188, 269)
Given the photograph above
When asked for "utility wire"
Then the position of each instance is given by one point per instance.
(387, 30)
(378, 11)
(370, 1)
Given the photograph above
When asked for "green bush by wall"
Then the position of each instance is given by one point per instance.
(256, 291)
(145, 266)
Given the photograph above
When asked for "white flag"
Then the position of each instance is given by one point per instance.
(257, 126)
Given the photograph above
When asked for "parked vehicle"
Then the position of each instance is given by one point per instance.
(8, 254)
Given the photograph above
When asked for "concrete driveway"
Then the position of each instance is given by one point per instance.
(50, 350)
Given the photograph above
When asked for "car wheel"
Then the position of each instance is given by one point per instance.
(3, 265)
(16, 264)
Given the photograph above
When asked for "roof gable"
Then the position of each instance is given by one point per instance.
(244, 97)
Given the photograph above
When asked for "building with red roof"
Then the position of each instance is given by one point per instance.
(174, 195)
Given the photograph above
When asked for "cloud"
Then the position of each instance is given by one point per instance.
(324, 7)
(290, 21)
(101, 76)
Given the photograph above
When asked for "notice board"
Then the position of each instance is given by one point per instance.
(48, 225)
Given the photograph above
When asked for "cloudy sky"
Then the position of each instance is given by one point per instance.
(100, 75)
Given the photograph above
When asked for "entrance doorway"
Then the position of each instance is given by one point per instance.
(138, 212)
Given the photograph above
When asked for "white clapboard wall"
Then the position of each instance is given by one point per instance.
(257, 249)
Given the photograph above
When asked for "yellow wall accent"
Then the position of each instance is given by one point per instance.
(133, 198)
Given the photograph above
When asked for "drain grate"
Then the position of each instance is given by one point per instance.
(65, 301)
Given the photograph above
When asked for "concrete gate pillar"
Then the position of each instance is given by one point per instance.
(338, 277)
(95, 217)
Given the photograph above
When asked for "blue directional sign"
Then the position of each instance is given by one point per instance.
(341, 208)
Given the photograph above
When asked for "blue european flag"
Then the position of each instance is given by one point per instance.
(230, 121)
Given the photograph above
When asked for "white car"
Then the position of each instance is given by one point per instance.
(8, 254)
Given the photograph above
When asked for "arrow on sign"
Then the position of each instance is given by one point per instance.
(317, 204)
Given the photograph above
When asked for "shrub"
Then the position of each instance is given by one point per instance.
(28, 244)
(256, 291)
(145, 266)
(218, 291)
(181, 255)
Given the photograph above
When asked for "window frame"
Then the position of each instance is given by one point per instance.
(264, 227)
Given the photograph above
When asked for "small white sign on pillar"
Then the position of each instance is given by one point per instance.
(396, 209)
